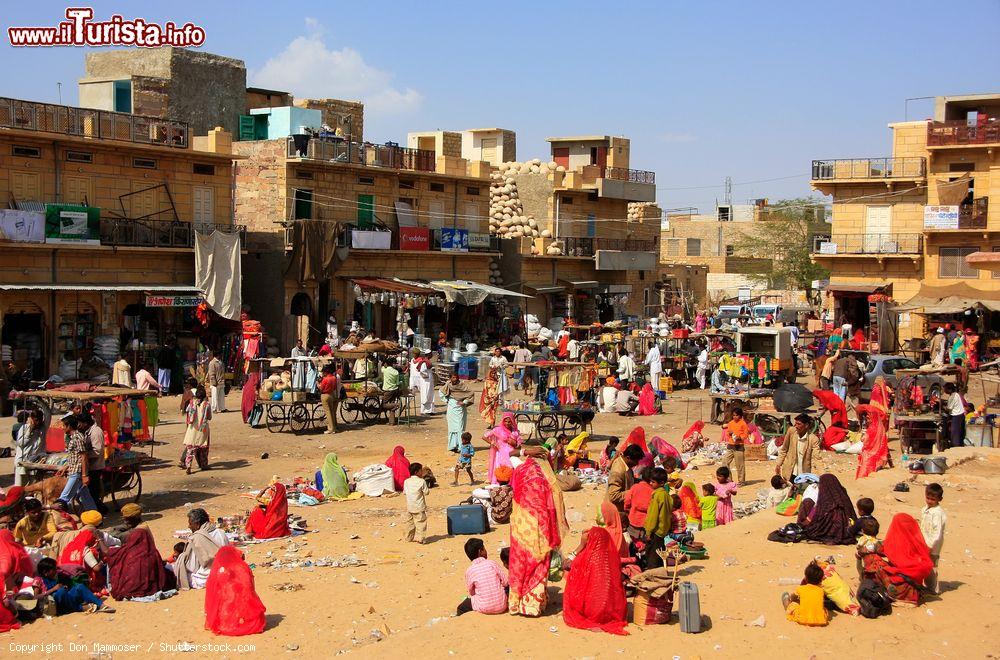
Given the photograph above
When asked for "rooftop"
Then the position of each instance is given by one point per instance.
(487, 130)
(272, 92)
(580, 138)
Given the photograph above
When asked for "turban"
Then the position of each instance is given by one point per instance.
(91, 518)
(131, 511)
(503, 473)
(610, 381)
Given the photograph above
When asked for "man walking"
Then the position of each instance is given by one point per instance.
(217, 383)
(329, 397)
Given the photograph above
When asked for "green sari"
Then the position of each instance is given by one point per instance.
(334, 479)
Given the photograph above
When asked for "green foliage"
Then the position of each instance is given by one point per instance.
(779, 246)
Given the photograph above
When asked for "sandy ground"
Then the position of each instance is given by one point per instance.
(402, 601)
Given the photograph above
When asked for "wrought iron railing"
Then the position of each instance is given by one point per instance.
(126, 232)
(974, 215)
(869, 168)
(86, 122)
(632, 176)
(362, 153)
(946, 133)
(588, 246)
(874, 244)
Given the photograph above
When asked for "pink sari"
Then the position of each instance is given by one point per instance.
(503, 442)
(647, 401)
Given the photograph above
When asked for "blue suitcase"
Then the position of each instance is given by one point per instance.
(689, 609)
(467, 519)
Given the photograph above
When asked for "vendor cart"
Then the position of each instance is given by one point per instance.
(547, 422)
(121, 477)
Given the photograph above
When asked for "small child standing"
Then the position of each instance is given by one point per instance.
(805, 606)
(416, 490)
(868, 543)
(485, 581)
(932, 522)
(709, 505)
(465, 454)
(608, 454)
(866, 507)
(725, 488)
(778, 493)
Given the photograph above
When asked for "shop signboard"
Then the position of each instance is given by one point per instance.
(174, 301)
(479, 241)
(827, 247)
(415, 238)
(454, 240)
(22, 226)
(940, 217)
(67, 223)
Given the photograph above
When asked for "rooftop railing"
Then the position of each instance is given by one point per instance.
(632, 176)
(957, 133)
(588, 246)
(362, 153)
(871, 244)
(869, 168)
(126, 232)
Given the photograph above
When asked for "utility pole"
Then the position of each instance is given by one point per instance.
(729, 193)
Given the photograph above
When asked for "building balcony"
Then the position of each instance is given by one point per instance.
(961, 133)
(410, 239)
(630, 176)
(89, 123)
(588, 247)
(336, 150)
(878, 169)
(874, 245)
(974, 215)
(125, 232)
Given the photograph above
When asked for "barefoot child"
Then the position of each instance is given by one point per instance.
(709, 506)
(725, 488)
(465, 453)
(932, 522)
(416, 490)
(805, 606)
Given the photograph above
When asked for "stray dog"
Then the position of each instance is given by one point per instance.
(47, 490)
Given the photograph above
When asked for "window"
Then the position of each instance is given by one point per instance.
(303, 204)
(437, 187)
(144, 163)
(951, 263)
(724, 214)
(79, 157)
(123, 95)
(366, 211)
(472, 190)
(566, 199)
(406, 184)
(204, 168)
(27, 152)
(592, 196)
(593, 155)
(204, 205)
(694, 247)
(642, 275)
(673, 247)
(303, 174)
(366, 180)
(730, 250)
(961, 167)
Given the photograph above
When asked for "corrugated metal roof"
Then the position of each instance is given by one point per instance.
(177, 288)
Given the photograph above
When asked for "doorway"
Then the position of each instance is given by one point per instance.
(878, 225)
(23, 332)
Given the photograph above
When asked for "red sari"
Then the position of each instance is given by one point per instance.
(232, 606)
(594, 597)
(647, 400)
(904, 562)
(836, 432)
(637, 437)
(13, 559)
(875, 452)
(74, 554)
(135, 568)
(400, 467)
(534, 533)
(271, 523)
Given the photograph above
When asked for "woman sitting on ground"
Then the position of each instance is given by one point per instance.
(136, 568)
(830, 520)
(194, 564)
(269, 520)
(595, 596)
(904, 562)
(87, 550)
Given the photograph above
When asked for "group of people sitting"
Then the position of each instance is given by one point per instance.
(57, 563)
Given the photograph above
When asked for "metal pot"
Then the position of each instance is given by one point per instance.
(935, 465)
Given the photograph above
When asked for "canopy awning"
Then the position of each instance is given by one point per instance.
(856, 288)
(466, 292)
(951, 299)
(396, 286)
(543, 288)
(580, 284)
(175, 288)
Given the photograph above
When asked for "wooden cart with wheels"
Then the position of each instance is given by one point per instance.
(121, 478)
(296, 416)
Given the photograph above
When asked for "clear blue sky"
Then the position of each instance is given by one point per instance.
(752, 90)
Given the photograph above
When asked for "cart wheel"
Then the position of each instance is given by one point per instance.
(276, 419)
(127, 488)
(349, 409)
(371, 408)
(547, 425)
(298, 418)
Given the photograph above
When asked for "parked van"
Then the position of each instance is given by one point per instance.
(729, 312)
(759, 313)
(770, 342)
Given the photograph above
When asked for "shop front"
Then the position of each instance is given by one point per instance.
(387, 308)
(960, 306)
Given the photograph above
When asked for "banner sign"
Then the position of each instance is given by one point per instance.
(454, 240)
(66, 223)
(22, 226)
(478, 241)
(174, 301)
(940, 217)
(415, 238)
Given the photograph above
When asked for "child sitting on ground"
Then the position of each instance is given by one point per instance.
(725, 488)
(465, 454)
(69, 597)
(608, 454)
(865, 506)
(178, 549)
(709, 504)
(679, 530)
(485, 581)
(778, 493)
(932, 522)
(868, 543)
(805, 606)
(637, 503)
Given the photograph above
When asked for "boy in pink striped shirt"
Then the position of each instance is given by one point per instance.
(485, 580)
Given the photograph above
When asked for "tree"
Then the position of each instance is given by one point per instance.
(778, 247)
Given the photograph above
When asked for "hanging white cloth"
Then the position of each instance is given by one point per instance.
(217, 272)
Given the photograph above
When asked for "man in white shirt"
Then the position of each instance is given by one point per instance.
(573, 348)
(626, 369)
(702, 371)
(609, 395)
(144, 380)
(655, 365)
